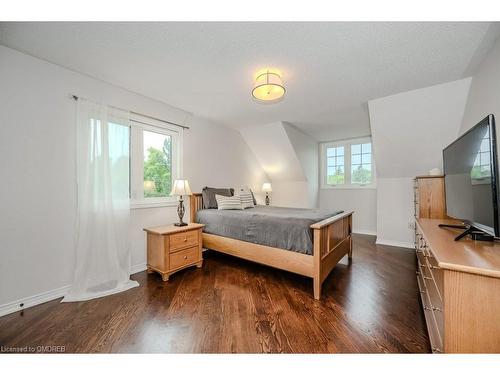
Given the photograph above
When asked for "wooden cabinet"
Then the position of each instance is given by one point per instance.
(458, 283)
(429, 196)
(172, 248)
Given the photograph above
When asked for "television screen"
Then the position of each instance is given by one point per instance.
(471, 178)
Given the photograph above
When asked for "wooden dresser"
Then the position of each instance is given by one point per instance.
(429, 197)
(459, 284)
(172, 248)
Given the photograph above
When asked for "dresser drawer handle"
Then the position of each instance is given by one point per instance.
(418, 273)
(185, 239)
(427, 278)
(185, 257)
(437, 309)
(436, 350)
(426, 308)
(435, 267)
(423, 291)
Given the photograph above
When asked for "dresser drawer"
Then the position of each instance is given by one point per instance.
(435, 332)
(437, 273)
(182, 240)
(421, 256)
(425, 271)
(184, 257)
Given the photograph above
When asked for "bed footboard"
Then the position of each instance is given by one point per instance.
(332, 241)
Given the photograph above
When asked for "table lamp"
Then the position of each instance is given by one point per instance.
(180, 188)
(266, 188)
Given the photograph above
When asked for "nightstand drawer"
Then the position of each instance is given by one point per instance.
(184, 257)
(182, 240)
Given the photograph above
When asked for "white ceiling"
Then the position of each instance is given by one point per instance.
(330, 70)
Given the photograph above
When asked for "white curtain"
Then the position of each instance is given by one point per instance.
(102, 265)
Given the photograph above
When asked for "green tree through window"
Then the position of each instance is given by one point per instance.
(158, 170)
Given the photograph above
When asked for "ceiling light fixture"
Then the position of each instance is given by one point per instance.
(268, 87)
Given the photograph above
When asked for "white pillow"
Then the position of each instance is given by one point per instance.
(246, 198)
(228, 203)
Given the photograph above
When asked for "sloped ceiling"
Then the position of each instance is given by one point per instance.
(330, 69)
(275, 152)
(410, 129)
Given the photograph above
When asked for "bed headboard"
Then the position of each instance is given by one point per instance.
(195, 204)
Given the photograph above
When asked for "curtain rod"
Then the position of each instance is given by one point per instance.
(75, 97)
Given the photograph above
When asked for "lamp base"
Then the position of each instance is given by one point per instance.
(180, 212)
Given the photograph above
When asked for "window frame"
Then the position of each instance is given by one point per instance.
(347, 144)
(138, 124)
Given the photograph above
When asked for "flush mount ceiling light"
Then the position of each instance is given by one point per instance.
(268, 87)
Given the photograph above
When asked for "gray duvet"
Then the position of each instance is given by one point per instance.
(282, 227)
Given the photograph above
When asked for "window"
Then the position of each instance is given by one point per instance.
(361, 163)
(157, 164)
(335, 165)
(347, 164)
(481, 169)
(155, 161)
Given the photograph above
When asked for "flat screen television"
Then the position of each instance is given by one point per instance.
(471, 178)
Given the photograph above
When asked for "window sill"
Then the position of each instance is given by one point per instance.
(348, 187)
(156, 204)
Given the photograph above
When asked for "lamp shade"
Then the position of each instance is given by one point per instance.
(266, 187)
(181, 187)
(268, 87)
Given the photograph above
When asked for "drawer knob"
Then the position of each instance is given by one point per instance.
(437, 309)
(427, 278)
(185, 239)
(185, 257)
(436, 350)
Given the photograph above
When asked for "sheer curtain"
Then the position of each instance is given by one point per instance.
(102, 265)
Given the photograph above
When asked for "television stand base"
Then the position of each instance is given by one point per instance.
(476, 234)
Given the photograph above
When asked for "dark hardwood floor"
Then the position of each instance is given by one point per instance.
(234, 306)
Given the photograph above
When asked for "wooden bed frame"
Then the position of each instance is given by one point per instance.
(332, 241)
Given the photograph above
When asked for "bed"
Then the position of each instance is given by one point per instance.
(286, 246)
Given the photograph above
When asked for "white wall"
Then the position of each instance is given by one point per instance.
(306, 149)
(395, 211)
(362, 201)
(409, 132)
(484, 93)
(38, 192)
(289, 158)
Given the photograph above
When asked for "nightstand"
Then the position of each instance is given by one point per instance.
(171, 249)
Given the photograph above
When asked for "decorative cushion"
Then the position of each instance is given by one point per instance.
(246, 189)
(228, 203)
(246, 198)
(208, 195)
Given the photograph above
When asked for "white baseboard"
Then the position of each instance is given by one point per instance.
(409, 245)
(138, 268)
(37, 299)
(363, 231)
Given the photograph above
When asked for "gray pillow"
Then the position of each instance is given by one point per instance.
(208, 195)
